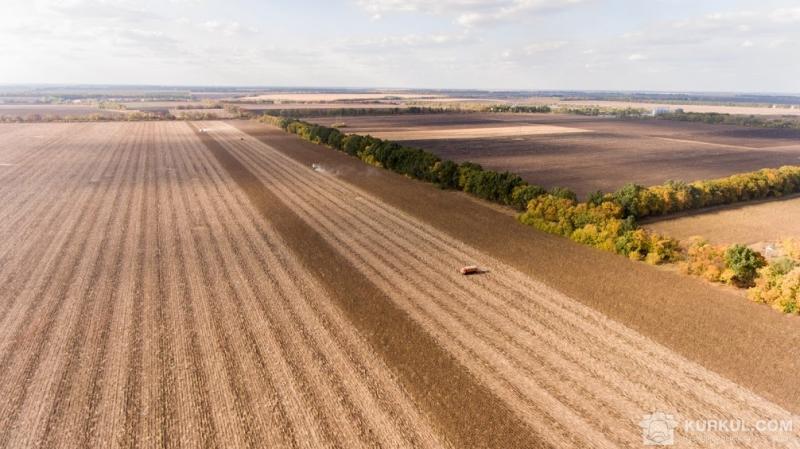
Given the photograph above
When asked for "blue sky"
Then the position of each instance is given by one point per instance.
(675, 45)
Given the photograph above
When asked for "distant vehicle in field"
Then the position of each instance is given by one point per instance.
(470, 269)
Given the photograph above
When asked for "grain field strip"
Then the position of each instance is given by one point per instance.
(383, 427)
(226, 410)
(108, 422)
(301, 365)
(165, 363)
(157, 420)
(60, 314)
(240, 393)
(193, 422)
(712, 402)
(69, 426)
(86, 355)
(286, 375)
(130, 435)
(399, 340)
(277, 400)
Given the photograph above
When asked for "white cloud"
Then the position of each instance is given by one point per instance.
(786, 15)
(406, 41)
(227, 28)
(467, 12)
(545, 46)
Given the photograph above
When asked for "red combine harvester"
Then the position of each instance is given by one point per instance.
(470, 269)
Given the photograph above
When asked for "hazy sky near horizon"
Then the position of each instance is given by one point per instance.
(677, 45)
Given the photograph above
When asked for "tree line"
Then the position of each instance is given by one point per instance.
(676, 196)
(351, 111)
(729, 119)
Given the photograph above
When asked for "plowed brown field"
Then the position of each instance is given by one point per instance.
(160, 289)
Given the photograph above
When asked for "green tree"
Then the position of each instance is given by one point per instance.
(744, 262)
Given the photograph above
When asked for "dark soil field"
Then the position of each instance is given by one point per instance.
(611, 154)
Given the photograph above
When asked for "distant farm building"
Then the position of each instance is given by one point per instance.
(659, 111)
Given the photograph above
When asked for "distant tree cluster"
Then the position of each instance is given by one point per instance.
(735, 264)
(674, 196)
(529, 109)
(729, 119)
(206, 105)
(605, 111)
(195, 115)
(350, 111)
(600, 224)
(115, 105)
(778, 284)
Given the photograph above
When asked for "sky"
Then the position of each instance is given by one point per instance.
(656, 45)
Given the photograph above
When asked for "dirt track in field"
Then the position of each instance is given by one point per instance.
(574, 376)
(147, 304)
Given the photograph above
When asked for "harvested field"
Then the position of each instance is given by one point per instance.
(750, 224)
(611, 154)
(206, 290)
(162, 310)
(559, 365)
